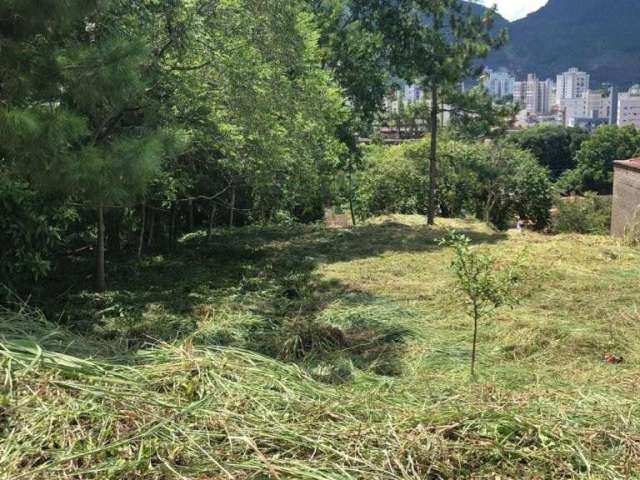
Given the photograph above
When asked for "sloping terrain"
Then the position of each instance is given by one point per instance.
(301, 352)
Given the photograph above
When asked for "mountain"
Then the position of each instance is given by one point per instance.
(598, 36)
(480, 10)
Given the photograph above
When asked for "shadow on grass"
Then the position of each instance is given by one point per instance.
(251, 288)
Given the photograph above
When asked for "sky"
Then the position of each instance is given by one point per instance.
(515, 9)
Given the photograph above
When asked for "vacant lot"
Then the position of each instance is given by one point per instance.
(306, 353)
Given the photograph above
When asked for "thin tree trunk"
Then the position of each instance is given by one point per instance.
(475, 340)
(212, 217)
(351, 209)
(100, 276)
(233, 206)
(113, 222)
(433, 158)
(152, 226)
(191, 215)
(172, 228)
(143, 222)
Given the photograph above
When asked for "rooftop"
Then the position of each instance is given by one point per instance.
(632, 164)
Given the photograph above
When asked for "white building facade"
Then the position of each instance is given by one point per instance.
(599, 104)
(499, 84)
(572, 84)
(629, 107)
(572, 92)
(534, 96)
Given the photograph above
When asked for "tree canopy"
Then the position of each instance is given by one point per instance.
(594, 168)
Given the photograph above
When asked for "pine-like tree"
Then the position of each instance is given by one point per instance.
(72, 104)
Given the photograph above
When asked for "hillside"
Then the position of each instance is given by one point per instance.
(598, 36)
(480, 10)
(310, 353)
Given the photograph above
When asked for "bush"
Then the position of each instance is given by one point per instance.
(553, 146)
(588, 214)
(594, 170)
(391, 181)
(29, 232)
(493, 182)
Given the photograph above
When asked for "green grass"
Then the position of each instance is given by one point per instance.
(306, 353)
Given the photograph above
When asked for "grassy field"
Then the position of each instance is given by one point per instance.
(308, 353)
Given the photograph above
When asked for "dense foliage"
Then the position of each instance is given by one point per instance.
(555, 147)
(594, 168)
(493, 182)
(182, 112)
(590, 214)
(30, 231)
(145, 120)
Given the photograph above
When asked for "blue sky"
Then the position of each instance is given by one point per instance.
(514, 9)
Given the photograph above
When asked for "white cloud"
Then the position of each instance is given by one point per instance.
(514, 9)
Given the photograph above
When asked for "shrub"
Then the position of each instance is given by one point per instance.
(553, 146)
(493, 182)
(511, 182)
(594, 170)
(588, 214)
(391, 181)
(30, 230)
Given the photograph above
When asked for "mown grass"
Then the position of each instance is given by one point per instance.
(301, 352)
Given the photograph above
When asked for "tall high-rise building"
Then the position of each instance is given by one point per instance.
(546, 90)
(613, 113)
(629, 107)
(520, 93)
(572, 84)
(574, 108)
(535, 96)
(599, 104)
(499, 84)
(572, 91)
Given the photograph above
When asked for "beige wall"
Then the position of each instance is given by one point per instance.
(626, 198)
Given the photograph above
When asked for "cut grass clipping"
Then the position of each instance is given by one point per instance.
(214, 413)
(339, 390)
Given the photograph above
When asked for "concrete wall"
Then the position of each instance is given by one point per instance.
(626, 198)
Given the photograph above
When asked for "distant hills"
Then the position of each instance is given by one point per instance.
(601, 37)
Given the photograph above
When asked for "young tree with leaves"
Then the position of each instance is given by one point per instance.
(483, 284)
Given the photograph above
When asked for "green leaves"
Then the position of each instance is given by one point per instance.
(594, 170)
(555, 147)
(493, 182)
(484, 286)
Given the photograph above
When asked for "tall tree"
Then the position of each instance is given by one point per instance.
(434, 42)
(440, 56)
(76, 122)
